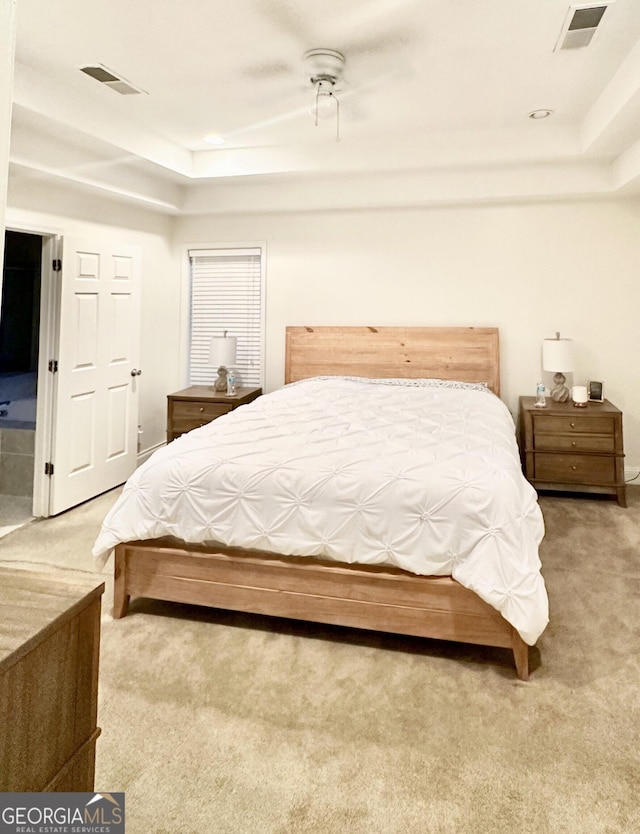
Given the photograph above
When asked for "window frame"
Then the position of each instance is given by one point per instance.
(185, 302)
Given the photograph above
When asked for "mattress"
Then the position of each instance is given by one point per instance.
(423, 475)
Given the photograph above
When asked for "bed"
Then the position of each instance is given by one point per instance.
(303, 574)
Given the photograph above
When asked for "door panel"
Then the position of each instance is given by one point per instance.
(86, 321)
(82, 417)
(96, 400)
(118, 421)
(121, 323)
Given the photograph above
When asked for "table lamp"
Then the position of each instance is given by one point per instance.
(557, 357)
(222, 355)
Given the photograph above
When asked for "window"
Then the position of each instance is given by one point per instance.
(226, 295)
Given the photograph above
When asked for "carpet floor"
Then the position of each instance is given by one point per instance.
(227, 723)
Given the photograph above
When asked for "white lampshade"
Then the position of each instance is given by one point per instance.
(557, 355)
(222, 351)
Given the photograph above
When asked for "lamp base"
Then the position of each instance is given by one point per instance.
(220, 384)
(579, 405)
(559, 392)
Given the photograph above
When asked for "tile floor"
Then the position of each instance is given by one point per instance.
(15, 511)
(16, 462)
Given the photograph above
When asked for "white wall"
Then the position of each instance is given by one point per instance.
(529, 269)
(43, 207)
(7, 54)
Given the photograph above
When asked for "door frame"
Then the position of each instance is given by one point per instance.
(49, 327)
(46, 384)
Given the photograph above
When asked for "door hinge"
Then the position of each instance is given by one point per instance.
(56, 264)
(53, 366)
(48, 468)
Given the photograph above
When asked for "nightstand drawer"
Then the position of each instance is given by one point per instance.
(198, 413)
(566, 424)
(574, 443)
(186, 416)
(575, 468)
(199, 404)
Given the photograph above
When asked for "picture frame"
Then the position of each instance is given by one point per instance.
(596, 391)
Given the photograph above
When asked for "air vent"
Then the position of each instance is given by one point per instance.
(581, 24)
(110, 79)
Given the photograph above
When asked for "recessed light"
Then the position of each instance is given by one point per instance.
(214, 139)
(540, 114)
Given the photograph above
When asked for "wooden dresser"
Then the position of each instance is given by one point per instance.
(573, 449)
(49, 649)
(199, 404)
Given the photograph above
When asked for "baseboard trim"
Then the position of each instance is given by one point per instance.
(145, 454)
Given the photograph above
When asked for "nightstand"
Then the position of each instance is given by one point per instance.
(571, 449)
(199, 404)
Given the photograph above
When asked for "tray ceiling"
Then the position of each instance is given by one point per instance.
(435, 95)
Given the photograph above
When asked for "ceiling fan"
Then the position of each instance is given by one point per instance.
(363, 35)
(324, 77)
(325, 72)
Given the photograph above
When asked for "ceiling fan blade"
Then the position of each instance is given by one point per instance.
(391, 40)
(266, 70)
(400, 71)
(270, 122)
(355, 96)
(385, 12)
(286, 16)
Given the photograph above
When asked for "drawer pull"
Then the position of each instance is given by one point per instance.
(201, 408)
(574, 468)
(573, 442)
(573, 425)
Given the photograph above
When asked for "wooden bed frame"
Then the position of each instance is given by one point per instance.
(369, 597)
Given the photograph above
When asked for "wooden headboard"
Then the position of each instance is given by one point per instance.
(468, 354)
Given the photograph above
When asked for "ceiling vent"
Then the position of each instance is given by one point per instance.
(110, 79)
(581, 24)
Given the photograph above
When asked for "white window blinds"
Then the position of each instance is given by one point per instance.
(226, 294)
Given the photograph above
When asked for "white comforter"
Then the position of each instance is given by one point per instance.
(423, 475)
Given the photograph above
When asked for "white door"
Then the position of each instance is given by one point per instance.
(95, 411)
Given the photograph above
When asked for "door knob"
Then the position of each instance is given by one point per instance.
(135, 372)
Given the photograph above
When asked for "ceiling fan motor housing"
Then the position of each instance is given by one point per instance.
(324, 65)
